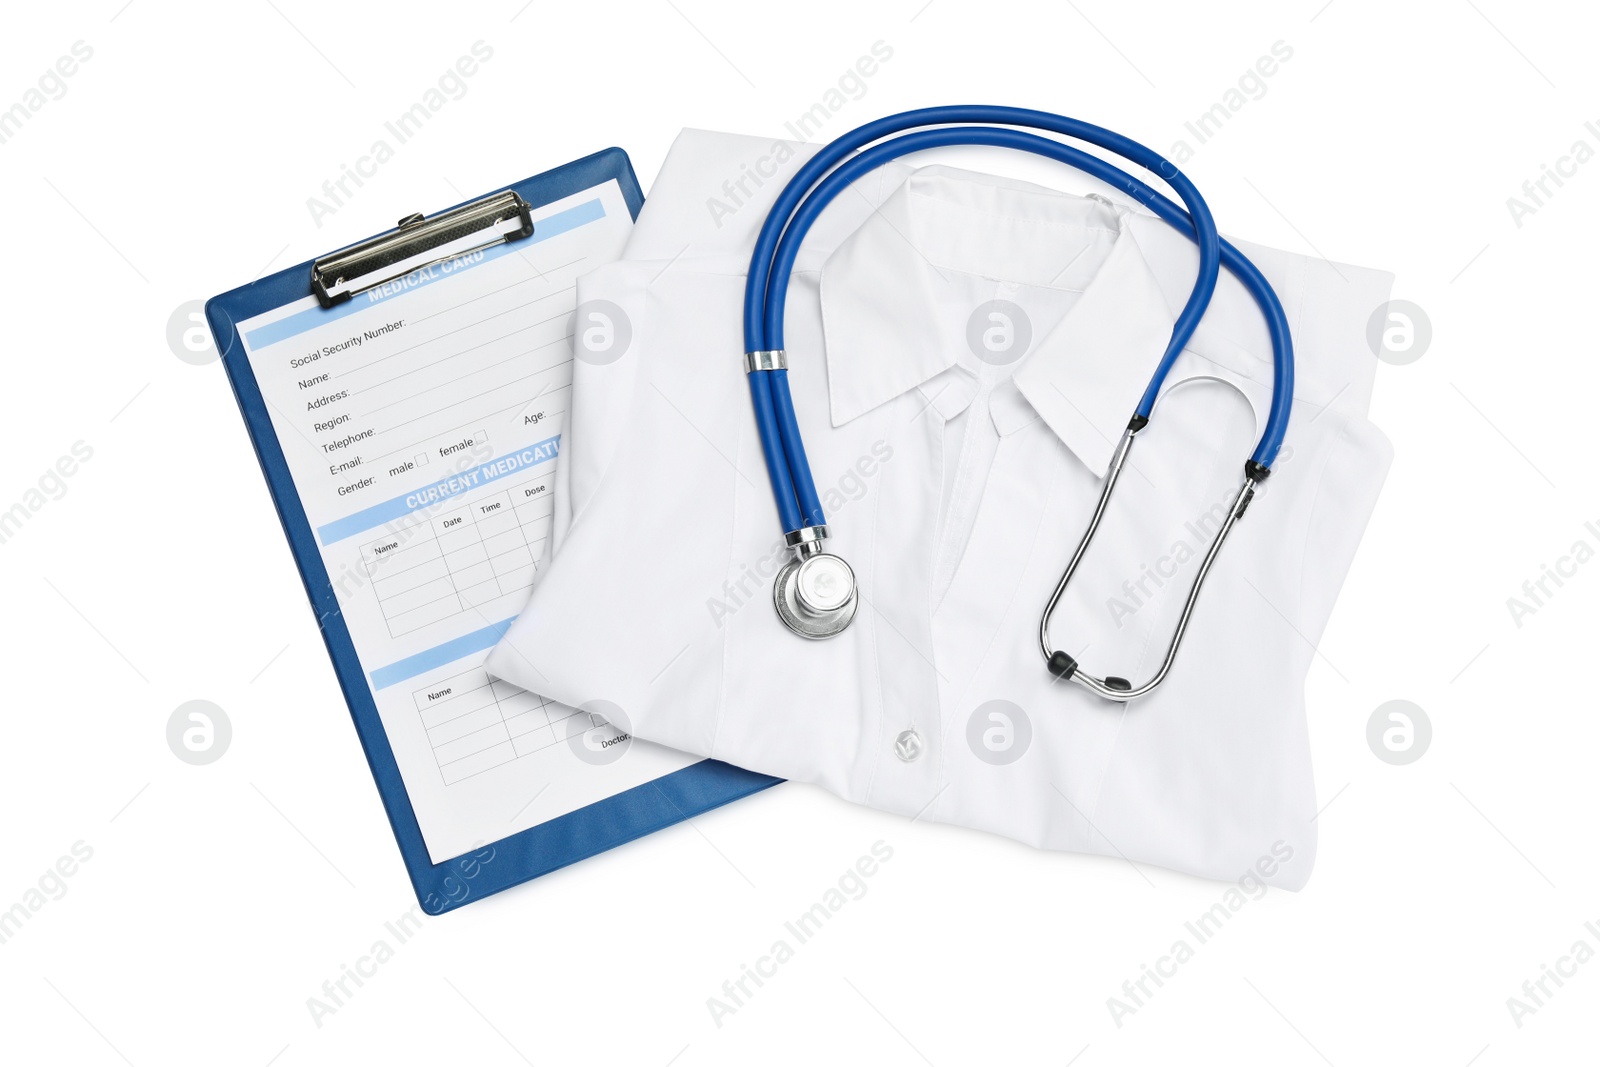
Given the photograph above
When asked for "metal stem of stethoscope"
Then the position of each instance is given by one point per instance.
(1113, 688)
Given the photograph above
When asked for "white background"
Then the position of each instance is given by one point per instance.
(219, 898)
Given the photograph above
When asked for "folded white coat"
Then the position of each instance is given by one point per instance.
(964, 352)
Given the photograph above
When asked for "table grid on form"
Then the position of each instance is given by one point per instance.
(436, 565)
(475, 722)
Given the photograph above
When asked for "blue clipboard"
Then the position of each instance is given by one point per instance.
(540, 849)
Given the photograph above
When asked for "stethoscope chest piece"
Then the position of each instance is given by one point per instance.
(816, 595)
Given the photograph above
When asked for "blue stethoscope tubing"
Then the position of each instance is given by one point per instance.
(785, 227)
(805, 197)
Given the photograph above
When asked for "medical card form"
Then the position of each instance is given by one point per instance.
(421, 421)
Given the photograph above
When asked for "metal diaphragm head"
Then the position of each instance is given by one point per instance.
(816, 596)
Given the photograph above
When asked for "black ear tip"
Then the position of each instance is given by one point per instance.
(1121, 685)
(1062, 665)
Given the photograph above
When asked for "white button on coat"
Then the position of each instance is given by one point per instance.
(964, 352)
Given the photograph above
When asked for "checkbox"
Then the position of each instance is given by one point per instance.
(422, 459)
(481, 437)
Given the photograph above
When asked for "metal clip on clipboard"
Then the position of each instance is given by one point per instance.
(420, 242)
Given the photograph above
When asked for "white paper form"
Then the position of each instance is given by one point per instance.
(421, 421)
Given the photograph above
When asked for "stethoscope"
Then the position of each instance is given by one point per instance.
(815, 593)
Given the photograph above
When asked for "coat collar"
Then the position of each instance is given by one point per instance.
(907, 298)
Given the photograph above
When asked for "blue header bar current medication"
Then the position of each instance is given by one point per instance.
(472, 478)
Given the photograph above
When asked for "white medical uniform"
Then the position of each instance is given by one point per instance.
(959, 445)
